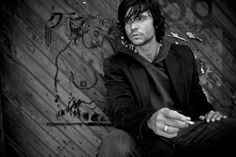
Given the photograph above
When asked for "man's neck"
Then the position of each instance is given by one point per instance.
(149, 50)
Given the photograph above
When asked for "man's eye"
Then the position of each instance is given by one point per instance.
(140, 18)
(137, 19)
(128, 20)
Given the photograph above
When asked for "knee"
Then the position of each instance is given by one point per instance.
(118, 143)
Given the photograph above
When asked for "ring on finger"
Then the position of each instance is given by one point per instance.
(166, 127)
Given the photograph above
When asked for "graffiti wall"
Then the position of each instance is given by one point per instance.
(52, 54)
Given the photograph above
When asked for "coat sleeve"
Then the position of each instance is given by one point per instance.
(198, 98)
(122, 110)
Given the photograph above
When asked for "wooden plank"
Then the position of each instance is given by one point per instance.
(212, 13)
(226, 36)
(214, 35)
(2, 138)
(94, 7)
(37, 55)
(68, 63)
(35, 36)
(65, 95)
(226, 22)
(38, 114)
(13, 149)
(96, 54)
(227, 8)
(70, 132)
(31, 144)
(67, 85)
(91, 7)
(52, 137)
(60, 30)
(2, 141)
(90, 92)
(46, 63)
(43, 14)
(104, 25)
(100, 27)
(35, 121)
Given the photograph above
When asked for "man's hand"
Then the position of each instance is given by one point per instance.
(212, 116)
(167, 123)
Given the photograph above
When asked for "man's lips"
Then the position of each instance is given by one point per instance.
(135, 34)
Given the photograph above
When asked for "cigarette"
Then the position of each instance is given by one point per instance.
(189, 122)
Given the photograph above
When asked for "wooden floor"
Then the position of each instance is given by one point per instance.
(52, 53)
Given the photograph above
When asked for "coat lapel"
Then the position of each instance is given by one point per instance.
(176, 74)
(140, 78)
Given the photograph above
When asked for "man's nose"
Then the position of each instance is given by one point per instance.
(133, 25)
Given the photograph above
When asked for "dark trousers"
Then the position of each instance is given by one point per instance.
(201, 139)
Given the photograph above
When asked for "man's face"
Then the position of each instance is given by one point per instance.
(140, 29)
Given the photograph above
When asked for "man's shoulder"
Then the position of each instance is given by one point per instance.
(177, 43)
(180, 48)
(119, 59)
(183, 53)
(121, 55)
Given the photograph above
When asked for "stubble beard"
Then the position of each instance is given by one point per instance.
(142, 43)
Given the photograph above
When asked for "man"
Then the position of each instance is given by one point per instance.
(154, 96)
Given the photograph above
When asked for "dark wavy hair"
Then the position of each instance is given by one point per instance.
(137, 8)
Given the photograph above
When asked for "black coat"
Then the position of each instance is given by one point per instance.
(128, 88)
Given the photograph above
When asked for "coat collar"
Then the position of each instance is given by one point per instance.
(176, 74)
(139, 75)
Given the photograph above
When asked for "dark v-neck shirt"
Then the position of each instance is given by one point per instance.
(161, 91)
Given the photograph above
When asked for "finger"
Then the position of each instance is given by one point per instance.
(216, 116)
(162, 129)
(222, 116)
(176, 119)
(166, 134)
(172, 114)
(176, 123)
(208, 116)
(219, 116)
(170, 129)
(201, 117)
